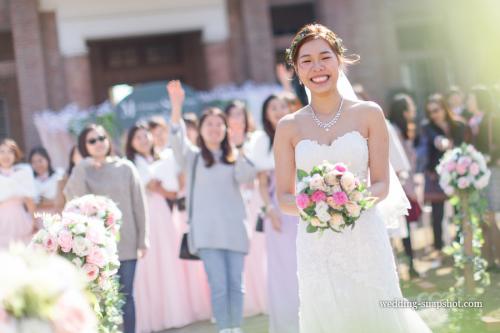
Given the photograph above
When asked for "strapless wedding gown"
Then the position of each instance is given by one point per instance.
(343, 277)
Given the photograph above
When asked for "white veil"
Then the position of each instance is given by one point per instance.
(396, 204)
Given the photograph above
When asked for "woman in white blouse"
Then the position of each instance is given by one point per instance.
(17, 190)
(46, 181)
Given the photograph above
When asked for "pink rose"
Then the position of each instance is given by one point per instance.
(302, 201)
(463, 183)
(73, 314)
(50, 243)
(96, 257)
(474, 169)
(340, 198)
(340, 168)
(3, 316)
(95, 233)
(465, 160)
(92, 271)
(332, 203)
(450, 166)
(461, 169)
(318, 196)
(110, 219)
(88, 208)
(65, 240)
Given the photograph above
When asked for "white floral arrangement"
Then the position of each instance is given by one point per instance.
(42, 293)
(331, 197)
(463, 169)
(86, 234)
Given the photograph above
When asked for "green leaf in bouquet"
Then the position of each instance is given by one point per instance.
(310, 210)
(301, 174)
(311, 229)
(316, 170)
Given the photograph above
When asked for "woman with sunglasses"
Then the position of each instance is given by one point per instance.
(441, 132)
(218, 232)
(101, 173)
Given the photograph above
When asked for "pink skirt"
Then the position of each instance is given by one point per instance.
(255, 272)
(161, 290)
(16, 224)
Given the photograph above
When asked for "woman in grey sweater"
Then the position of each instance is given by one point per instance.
(218, 233)
(116, 178)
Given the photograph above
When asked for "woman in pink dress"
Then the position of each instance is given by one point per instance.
(162, 299)
(199, 292)
(17, 190)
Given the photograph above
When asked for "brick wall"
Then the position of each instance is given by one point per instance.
(218, 64)
(56, 85)
(258, 40)
(29, 65)
(78, 80)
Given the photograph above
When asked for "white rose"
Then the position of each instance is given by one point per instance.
(78, 262)
(336, 220)
(81, 246)
(482, 182)
(356, 196)
(331, 178)
(321, 210)
(317, 182)
(80, 228)
(302, 184)
(348, 181)
(336, 189)
(315, 222)
(353, 209)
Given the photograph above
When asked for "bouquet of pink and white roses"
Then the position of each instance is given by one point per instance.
(43, 294)
(86, 234)
(463, 169)
(331, 197)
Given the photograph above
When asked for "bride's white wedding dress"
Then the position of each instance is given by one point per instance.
(343, 277)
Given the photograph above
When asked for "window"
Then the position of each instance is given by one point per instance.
(3, 119)
(287, 19)
(6, 46)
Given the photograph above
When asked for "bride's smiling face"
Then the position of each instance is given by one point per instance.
(318, 66)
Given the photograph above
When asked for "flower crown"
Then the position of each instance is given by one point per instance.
(329, 36)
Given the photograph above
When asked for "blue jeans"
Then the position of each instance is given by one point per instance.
(126, 274)
(225, 276)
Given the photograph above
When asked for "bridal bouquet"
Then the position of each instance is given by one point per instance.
(86, 234)
(43, 294)
(463, 169)
(331, 197)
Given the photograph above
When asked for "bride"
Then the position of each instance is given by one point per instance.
(345, 279)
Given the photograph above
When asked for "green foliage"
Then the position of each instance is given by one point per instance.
(469, 319)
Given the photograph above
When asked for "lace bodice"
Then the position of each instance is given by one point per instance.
(350, 148)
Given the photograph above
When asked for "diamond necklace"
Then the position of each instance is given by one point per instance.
(326, 125)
